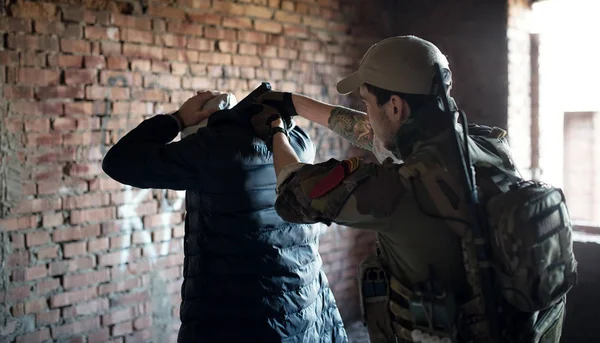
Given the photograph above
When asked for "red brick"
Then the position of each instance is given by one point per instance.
(37, 238)
(82, 107)
(85, 279)
(74, 249)
(19, 258)
(18, 92)
(83, 138)
(227, 7)
(181, 55)
(72, 297)
(92, 215)
(46, 318)
(64, 124)
(49, 27)
(80, 76)
(237, 22)
(37, 205)
(95, 62)
(33, 59)
(116, 78)
(105, 184)
(179, 68)
(92, 307)
(47, 252)
(86, 200)
(75, 233)
(138, 36)
(37, 336)
(71, 266)
(18, 310)
(51, 92)
(99, 244)
(161, 67)
(219, 33)
(111, 48)
(139, 23)
(37, 139)
(140, 65)
(120, 286)
(250, 49)
(99, 336)
(205, 18)
(133, 107)
(130, 299)
(77, 327)
(78, 14)
(159, 25)
(268, 26)
(122, 329)
(171, 40)
(215, 58)
(75, 46)
(163, 81)
(36, 306)
(17, 240)
(141, 237)
(167, 12)
(73, 31)
(10, 24)
(18, 293)
(83, 170)
(142, 51)
(119, 242)
(12, 224)
(65, 61)
(142, 323)
(117, 62)
(101, 33)
(119, 257)
(200, 44)
(36, 272)
(178, 231)
(252, 37)
(185, 28)
(113, 93)
(119, 316)
(249, 61)
(150, 95)
(9, 58)
(52, 219)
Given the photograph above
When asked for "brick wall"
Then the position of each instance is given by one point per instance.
(83, 255)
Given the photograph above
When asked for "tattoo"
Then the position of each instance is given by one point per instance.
(353, 126)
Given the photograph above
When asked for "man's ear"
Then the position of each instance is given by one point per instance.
(399, 108)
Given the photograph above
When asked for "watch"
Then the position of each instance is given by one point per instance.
(272, 132)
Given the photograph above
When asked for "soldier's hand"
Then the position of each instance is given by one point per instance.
(261, 118)
(191, 111)
(282, 102)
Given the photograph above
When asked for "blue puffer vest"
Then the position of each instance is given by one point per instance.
(249, 276)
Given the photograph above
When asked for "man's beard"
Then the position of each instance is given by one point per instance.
(383, 154)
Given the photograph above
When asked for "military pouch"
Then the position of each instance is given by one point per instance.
(374, 298)
(548, 327)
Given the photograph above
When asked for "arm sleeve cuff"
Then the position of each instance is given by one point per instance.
(286, 172)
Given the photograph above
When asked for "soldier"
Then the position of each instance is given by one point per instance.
(418, 288)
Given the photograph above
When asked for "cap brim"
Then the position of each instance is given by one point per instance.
(349, 84)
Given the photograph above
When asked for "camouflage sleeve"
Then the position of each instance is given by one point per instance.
(364, 196)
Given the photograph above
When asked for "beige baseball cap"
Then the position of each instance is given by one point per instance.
(402, 64)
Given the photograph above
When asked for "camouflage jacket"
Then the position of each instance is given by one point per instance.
(394, 201)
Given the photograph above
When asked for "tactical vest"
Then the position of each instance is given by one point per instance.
(531, 256)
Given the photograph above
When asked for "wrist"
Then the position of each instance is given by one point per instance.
(180, 122)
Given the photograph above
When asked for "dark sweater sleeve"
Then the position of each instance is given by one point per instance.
(144, 158)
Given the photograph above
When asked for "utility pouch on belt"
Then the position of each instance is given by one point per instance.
(374, 297)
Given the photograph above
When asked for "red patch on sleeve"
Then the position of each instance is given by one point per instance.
(334, 178)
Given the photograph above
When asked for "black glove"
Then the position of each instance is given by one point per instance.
(261, 118)
(282, 102)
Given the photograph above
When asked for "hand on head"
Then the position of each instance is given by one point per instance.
(191, 111)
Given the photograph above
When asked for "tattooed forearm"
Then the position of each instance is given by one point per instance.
(352, 125)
